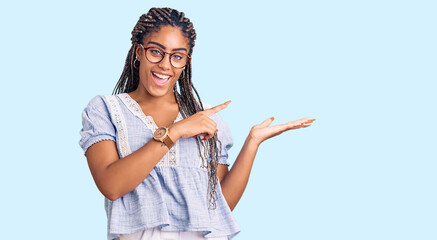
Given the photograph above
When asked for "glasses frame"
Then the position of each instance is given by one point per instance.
(163, 56)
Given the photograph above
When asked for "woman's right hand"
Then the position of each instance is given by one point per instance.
(199, 124)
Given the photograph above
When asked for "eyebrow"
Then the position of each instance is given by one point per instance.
(162, 46)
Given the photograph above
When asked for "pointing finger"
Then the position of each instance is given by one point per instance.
(216, 109)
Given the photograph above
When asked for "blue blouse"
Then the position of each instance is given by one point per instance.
(174, 196)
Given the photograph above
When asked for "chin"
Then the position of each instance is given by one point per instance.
(159, 92)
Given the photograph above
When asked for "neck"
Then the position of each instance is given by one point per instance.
(142, 96)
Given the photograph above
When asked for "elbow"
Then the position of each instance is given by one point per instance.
(111, 195)
(231, 206)
(109, 189)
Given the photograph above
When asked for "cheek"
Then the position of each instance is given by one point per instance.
(181, 72)
(144, 70)
(178, 74)
(175, 80)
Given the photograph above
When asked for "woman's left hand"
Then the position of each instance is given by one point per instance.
(264, 131)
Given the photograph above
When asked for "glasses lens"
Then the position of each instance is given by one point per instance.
(179, 60)
(154, 55)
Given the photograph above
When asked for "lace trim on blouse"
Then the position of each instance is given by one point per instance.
(169, 158)
(120, 124)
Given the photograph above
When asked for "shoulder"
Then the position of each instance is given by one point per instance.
(100, 102)
(97, 101)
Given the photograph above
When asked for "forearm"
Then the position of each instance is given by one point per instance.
(125, 174)
(235, 182)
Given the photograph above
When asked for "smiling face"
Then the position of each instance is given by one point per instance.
(158, 79)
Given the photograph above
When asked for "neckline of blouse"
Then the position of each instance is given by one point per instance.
(135, 108)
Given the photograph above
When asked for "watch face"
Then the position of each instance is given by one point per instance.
(160, 132)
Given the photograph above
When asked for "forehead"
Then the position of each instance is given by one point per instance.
(168, 36)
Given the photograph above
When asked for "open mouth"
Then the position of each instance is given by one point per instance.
(160, 79)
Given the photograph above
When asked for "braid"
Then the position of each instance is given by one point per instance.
(188, 105)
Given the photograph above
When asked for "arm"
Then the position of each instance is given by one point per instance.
(234, 182)
(116, 177)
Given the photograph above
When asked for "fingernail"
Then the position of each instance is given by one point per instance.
(273, 118)
(203, 139)
(228, 102)
(216, 130)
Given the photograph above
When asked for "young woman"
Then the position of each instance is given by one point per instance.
(158, 155)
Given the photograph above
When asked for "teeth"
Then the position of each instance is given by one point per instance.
(161, 76)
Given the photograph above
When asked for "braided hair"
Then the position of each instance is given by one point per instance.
(188, 105)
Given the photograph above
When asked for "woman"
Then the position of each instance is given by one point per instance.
(157, 154)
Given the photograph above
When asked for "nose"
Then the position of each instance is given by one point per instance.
(165, 63)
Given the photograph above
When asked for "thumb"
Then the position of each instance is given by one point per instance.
(267, 122)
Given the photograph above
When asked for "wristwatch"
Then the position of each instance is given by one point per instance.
(161, 135)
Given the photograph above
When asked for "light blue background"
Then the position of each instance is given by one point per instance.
(366, 70)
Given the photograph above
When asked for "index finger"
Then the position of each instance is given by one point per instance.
(216, 109)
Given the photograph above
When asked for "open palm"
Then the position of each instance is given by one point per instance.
(264, 131)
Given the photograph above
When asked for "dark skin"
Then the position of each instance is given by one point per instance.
(116, 177)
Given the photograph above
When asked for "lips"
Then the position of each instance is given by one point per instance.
(160, 79)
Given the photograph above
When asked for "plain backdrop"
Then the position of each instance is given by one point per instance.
(366, 70)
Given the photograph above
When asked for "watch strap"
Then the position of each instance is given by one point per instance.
(167, 141)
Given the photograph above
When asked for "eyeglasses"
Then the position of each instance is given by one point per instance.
(155, 55)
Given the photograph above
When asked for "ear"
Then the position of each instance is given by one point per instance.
(138, 52)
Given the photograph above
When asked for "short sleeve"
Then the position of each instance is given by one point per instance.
(224, 135)
(96, 124)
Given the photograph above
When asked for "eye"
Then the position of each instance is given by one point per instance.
(155, 51)
(178, 56)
